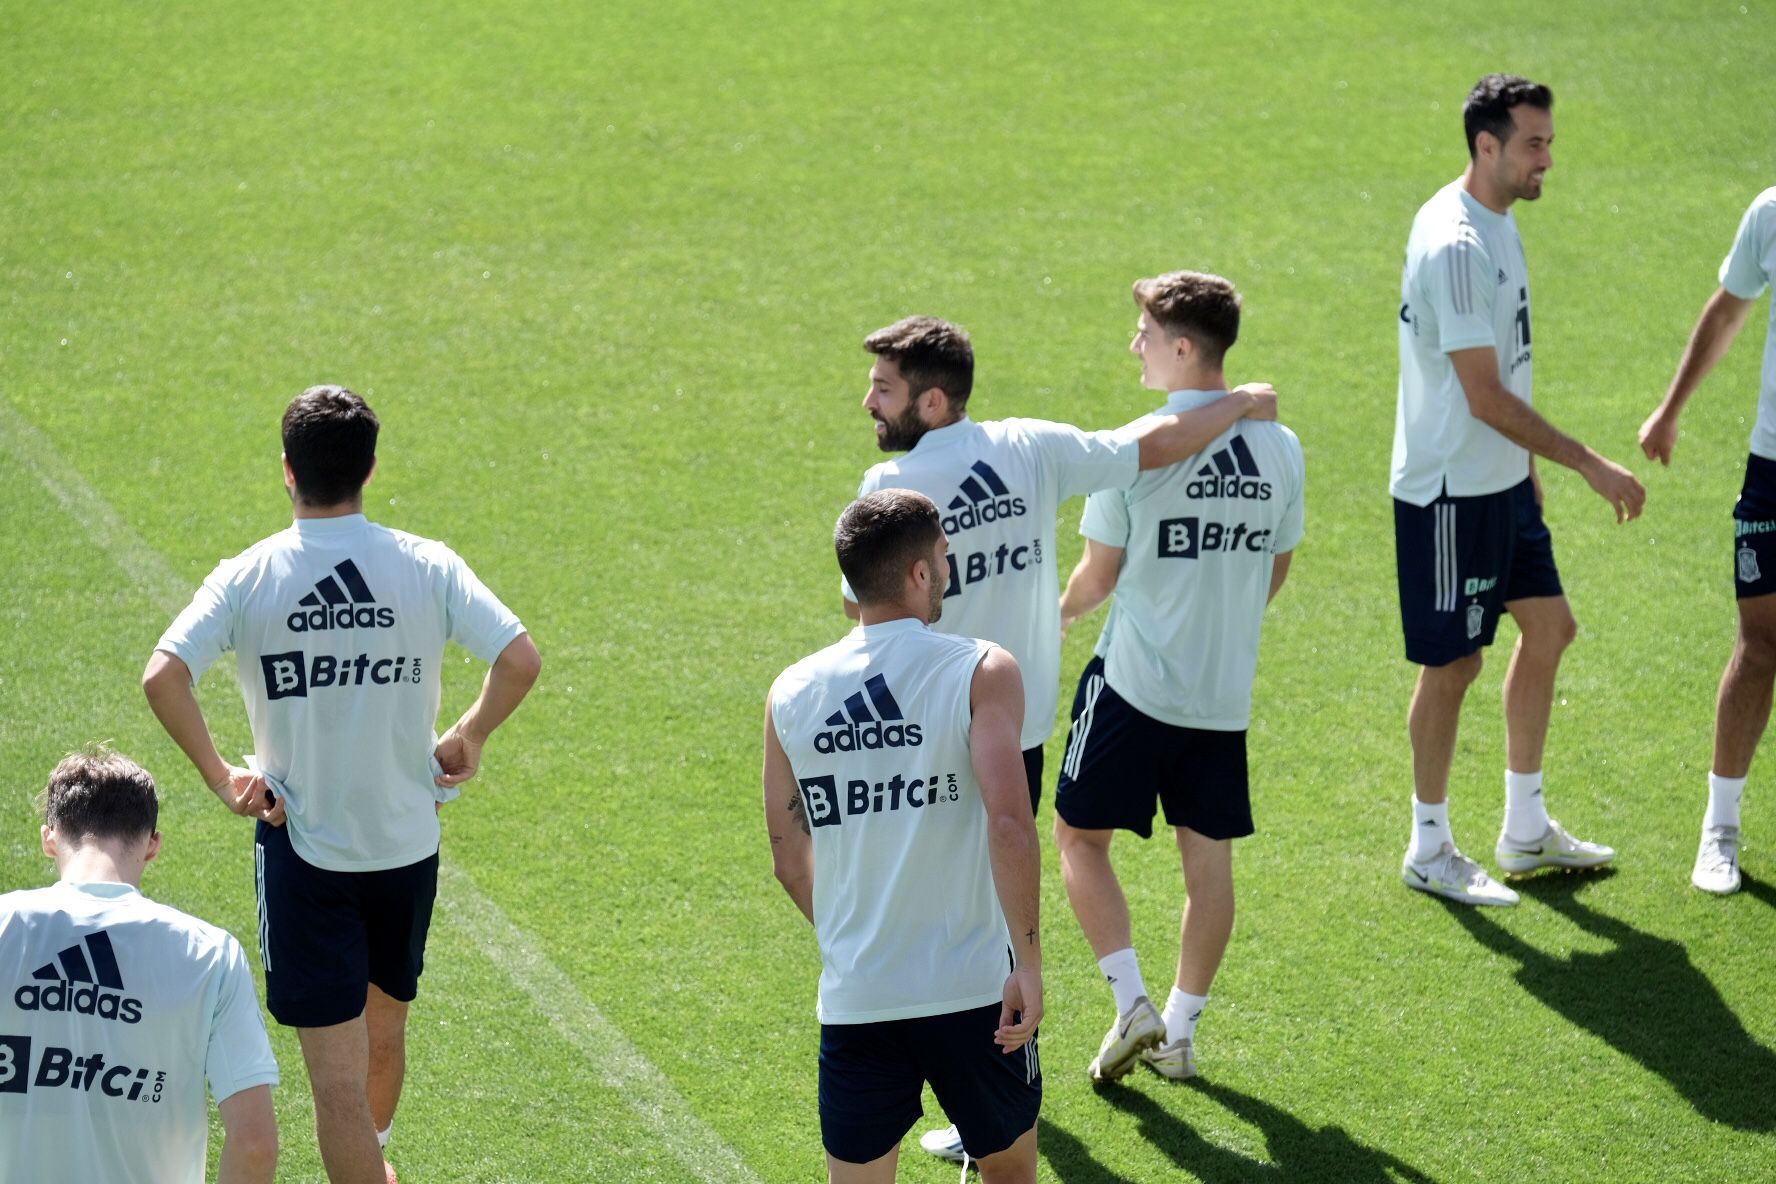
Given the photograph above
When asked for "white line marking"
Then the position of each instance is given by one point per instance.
(575, 1019)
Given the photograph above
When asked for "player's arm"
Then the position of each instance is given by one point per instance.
(1172, 438)
(508, 680)
(786, 821)
(167, 683)
(1091, 582)
(1722, 318)
(1279, 571)
(249, 1137)
(1497, 406)
(996, 700)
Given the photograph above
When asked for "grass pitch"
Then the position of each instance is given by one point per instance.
(603, 271)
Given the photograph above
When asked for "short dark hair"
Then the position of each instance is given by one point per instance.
(1194, 304)
(100, 794)
(330, 440)
(879, 536)
(1488, 108)
(929, 352)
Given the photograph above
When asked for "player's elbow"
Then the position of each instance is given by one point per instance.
(521, 662)
(1012, 828)
(163, 673)
(793, 874)
(250, 1139)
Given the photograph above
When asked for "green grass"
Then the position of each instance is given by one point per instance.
(603, 271)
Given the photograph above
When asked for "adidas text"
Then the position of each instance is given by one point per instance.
(972, 515)
(853, 738)
(344, 616)
(1229, 486)
(81, 998)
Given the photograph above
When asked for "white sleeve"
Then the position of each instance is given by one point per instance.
(1106, 518)
(239, 1053)
(1084, 462)
(204, 630)
(1742, 272)
(1289, 530)
(475, 618)
(1457, 278)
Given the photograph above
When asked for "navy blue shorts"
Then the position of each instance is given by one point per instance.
(871, 1076)
(1754, 531)
(325, 935)
(1033, 774)
(1120, 762)
(1460, 560)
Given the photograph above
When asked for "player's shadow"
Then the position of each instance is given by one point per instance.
(1647, 999)
(1758, 888)
(1296, 1150)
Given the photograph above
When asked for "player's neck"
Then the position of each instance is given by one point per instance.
(93, 863)
(1481, 189)
(1198, 378)
(337, 510)
(882, 613)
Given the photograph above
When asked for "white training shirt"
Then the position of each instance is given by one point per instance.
(1746, 272)
(115, 1011)
(876, 728)
(338, 626)
(1466, 285)
(998, 486)
(1200, 538)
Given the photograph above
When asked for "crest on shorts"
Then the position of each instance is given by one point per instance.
(1476, 620)
(1748, 566)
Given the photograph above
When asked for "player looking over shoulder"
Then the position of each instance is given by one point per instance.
(338, 627)
(117, 1009)
(1742, 708)
(1193, 554)
(900, 826)
(1469, 538)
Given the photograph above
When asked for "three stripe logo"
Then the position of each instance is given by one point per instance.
(345, 602)
(984, 498)
(855, 728)
(1230, 472)
(85, 979)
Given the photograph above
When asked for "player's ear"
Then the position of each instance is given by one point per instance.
(932, 403)
(47, 837)
(289, 473)
(371, 475)
(153, 848)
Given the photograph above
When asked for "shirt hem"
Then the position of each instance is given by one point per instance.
(910, 1011)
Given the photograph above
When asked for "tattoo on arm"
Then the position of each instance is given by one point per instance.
(1031, 936)
(799, 813)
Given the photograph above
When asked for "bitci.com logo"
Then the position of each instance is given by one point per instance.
(295, 674)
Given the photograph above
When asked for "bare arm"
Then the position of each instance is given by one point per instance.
(1279, 571)
(786, 821)
(249, 1138)
(1176, 437)
(1091, 582)
(167, 683)
(508, 680)
(1722, 318)
(1495, 405)
(996, 699)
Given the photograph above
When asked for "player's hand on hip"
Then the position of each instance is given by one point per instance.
(458, 756)
(247, 794)
(1020, 1009)
(1658, 435)
(1617, 486)
(1261, 397)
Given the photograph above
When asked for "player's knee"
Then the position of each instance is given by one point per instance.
(1458, 675)
(1757, 643)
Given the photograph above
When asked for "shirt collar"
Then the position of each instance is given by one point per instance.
(1188, 400)
(943, 437)
(105, 889)
(1479, 209)
(329, 527)
(897, 625)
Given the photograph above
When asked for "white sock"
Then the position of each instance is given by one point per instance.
(1124, 974)
(1723, 801)
(1526, 815)
(1430, 829)
(1182, 1010)
(382, 1136)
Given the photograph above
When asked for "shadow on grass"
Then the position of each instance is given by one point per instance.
(1297, 1151)
(1647, 999)
(1764, 892)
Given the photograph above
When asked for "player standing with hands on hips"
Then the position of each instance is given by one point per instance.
(1468, 530)
(900, 826)
(1743, 707)
(338, 628)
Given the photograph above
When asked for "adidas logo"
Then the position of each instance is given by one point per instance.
(1231, 472)
(855, 729)
(86, 982)
(1503, 278)
(331, 606)
(979, 504)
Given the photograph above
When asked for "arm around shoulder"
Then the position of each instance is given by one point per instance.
(1172, 438)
